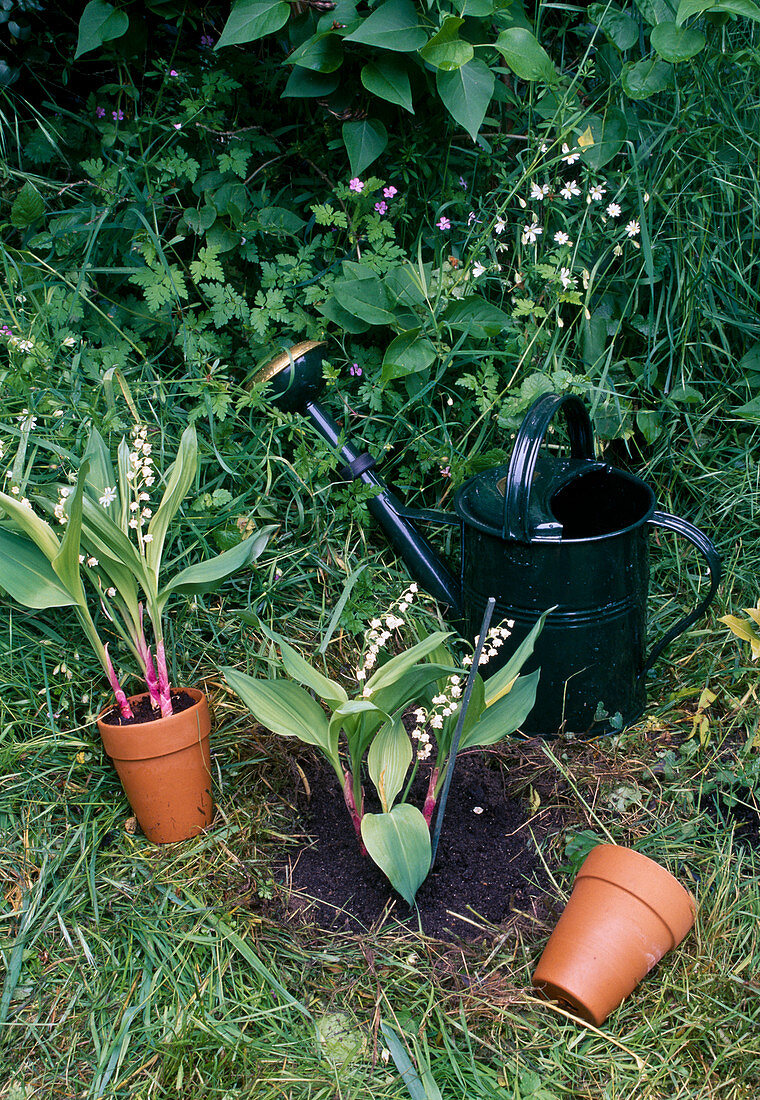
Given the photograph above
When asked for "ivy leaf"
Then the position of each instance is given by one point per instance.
(100, 22)
(364, 142)
(250, 20)
(28, 206)
(388, 79)
(446, 50)
(677, 43)
(466, 93)
(392, 26)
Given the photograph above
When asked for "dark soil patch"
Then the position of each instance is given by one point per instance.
(486, 869)
(142, 711)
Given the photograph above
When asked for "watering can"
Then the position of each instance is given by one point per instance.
(570, 534)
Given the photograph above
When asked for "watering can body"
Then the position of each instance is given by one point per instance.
(570, 535)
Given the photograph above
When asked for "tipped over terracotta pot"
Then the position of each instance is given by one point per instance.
(624, 914)
(165, 768)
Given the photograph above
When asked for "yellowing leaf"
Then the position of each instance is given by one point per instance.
(586, 140)
(505, 690)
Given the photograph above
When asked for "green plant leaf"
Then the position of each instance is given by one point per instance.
(609, 132)
(66, 562)
(466, 94)
(498, 684)
(285, 709)
(307, 84)
(476, 316)
(40, 532)
(322, 53)
(28, 576)
(677, 43)
(100, 472)
(505, 716)
(640, 79)
(746, 8)
(28, 207)
(207, 575)
(300, 670)
(657, 11)
(446, 50)
(399, 843)
(394, 669)
(180, 477)
(525, 55)
(365, 298)
(99, 23)
(357, 716)
(621, 27)
(250, 20)
(388, 79)
(408, 353)
(393, 26)
(364, 142)
(408, 687)
(388, 760)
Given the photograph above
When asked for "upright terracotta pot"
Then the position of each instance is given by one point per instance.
(165, 768)
(624, 913)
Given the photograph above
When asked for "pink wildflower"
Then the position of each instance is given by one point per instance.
(356, 185)
(381, 207)
(443, 222)
(389, 192)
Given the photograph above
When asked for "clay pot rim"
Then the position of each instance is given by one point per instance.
(159, 736)
(648, 881)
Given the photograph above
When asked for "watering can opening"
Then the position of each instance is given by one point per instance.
(601, 502)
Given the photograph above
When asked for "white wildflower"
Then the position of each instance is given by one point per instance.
(111, 592)
(633, 228)
(614, 210)
(569, 158)
(109, 496)
(562, 238)
(596, 193)
(566, 278)
(499, 226)
(477, 270)
(570, 189)
(92, 562)
(147, 538)
(539, 191)
(531, 233)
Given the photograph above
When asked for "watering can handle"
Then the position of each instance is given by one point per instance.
(711, 556)
(522, 465)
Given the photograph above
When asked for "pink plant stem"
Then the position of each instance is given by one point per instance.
(121, 699)
(163, 681)
(356, 815)
(429, 806)
(151, 680)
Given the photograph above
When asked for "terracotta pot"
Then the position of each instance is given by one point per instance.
(624, 913)
(165, 768)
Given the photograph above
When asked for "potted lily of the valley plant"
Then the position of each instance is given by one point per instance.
(365, 731)
(106, 542)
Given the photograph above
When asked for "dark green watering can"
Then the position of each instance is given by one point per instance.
(541, 532)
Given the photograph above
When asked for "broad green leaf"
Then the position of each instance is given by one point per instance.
(393, 26)
(408, 353)
(408, 688)
(28, 206)
(205, 576)
(420, 1085)
(499, 684)
(749, 411)
(334, 311)
(388, 760)
(27, 575)
(388, 79)
(180, 477)
(399, 843)
(66, 561)
(356, 717)
(750, 361)
(477, 8)
(285, 709)
(364, 142)
(608, 132)
(525, 55)
(477, 316)
(307, 84)
(746, 8)
(40, 532)
(466, 94)
(640, 79)
(505, 716)
(250, 20)
(103, 538)
(621, 27)
(657, 11)
(446, 50)
(100, 22)
(394, 669)
(301, 671)
(322, 53)
(365, 298)
(100, 472)
(677, 43)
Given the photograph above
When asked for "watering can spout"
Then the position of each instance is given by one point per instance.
(295, 382)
